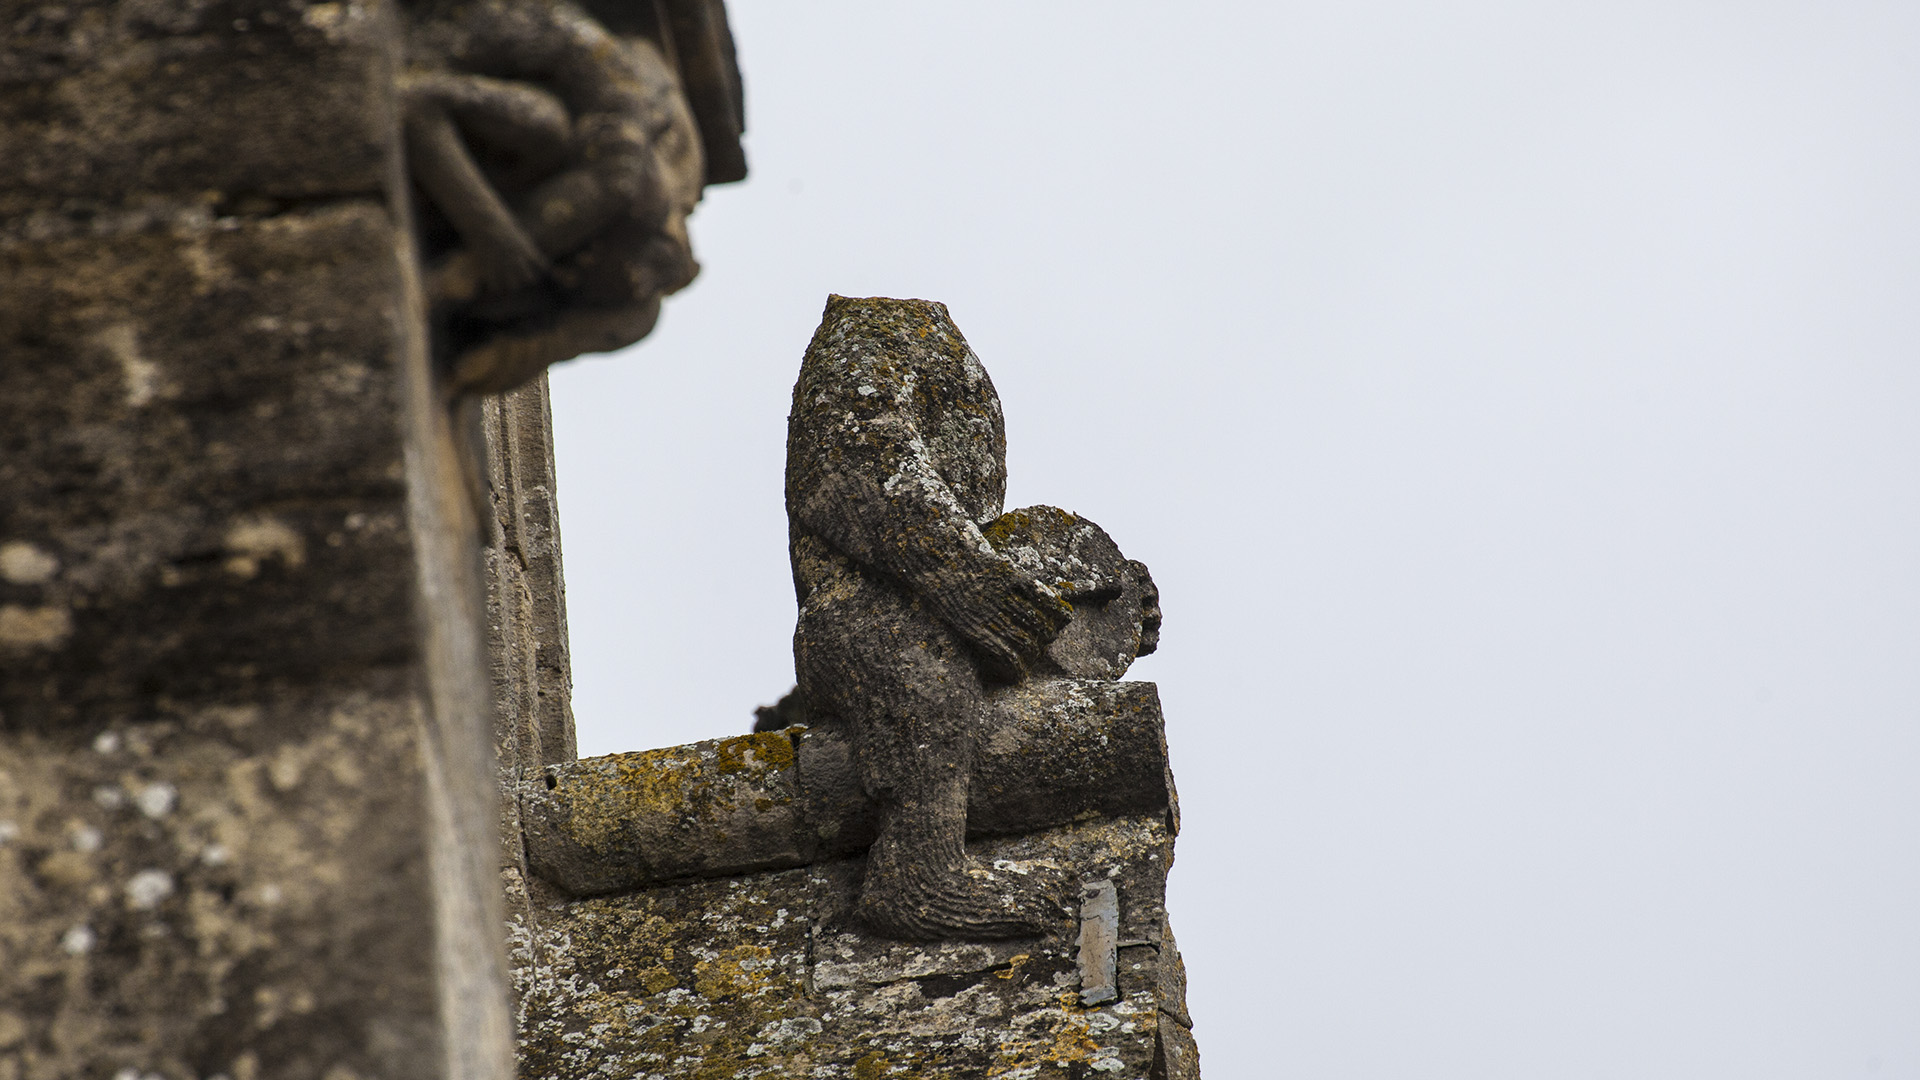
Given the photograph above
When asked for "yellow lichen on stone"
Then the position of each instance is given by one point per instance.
(758, 976)
(739, 970)
(766, 751)
(1068, 1040)
(657, 979)
(651, 783)
(704, 782)
(1002, 528)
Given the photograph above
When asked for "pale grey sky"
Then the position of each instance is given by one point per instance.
(1516, 404)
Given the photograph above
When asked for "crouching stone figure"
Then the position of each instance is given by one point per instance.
(918, 599)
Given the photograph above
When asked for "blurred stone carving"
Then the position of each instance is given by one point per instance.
(919, 600)
(560, 148)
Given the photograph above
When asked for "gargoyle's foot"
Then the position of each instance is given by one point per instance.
(482, 274)
(508, 262)
(921, 903)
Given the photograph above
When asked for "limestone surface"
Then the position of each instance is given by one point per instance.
(693, 913)
(245, 821)
(767, 975)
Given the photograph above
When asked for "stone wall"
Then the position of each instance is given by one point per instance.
(759, 975)
(701, 928)
(245, 791)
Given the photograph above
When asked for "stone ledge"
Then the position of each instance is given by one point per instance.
(1058, 751)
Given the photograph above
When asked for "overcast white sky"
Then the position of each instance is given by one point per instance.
(1516, 403)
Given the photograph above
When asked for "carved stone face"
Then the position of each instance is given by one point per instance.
(1116, 607)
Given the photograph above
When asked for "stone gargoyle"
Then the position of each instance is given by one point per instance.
(560, 147)
(920, 602)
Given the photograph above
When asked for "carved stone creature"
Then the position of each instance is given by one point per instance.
(564, 158)
(918, 598)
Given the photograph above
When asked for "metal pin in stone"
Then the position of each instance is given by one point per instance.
(1099, 942)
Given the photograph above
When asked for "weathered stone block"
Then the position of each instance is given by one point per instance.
(217, 894)
(245, 799)
(190, 455)
(763, 975)
(227, 104)
(1058, 751)
(742, 968)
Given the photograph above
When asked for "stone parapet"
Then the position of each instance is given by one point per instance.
(694, 920)
(1056, 751)
(763, 975)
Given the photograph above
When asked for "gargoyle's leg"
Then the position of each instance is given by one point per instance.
(439, 160)
(567, 211)
(526, 121)
(915, 706)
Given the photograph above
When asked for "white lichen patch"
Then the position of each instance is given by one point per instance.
(346, 379)
(77, 941)
(25, 564)
(286, 768)
(794, 1029)
(336, 20)
(35, 627)
(146, 889)
(156, 799)
(139, 376)
(251, 541)
(207, 267)
(1100, 1022)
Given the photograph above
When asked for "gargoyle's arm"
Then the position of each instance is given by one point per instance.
(862, 478)
(506, 114)
(619, 94)
(439, 159)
